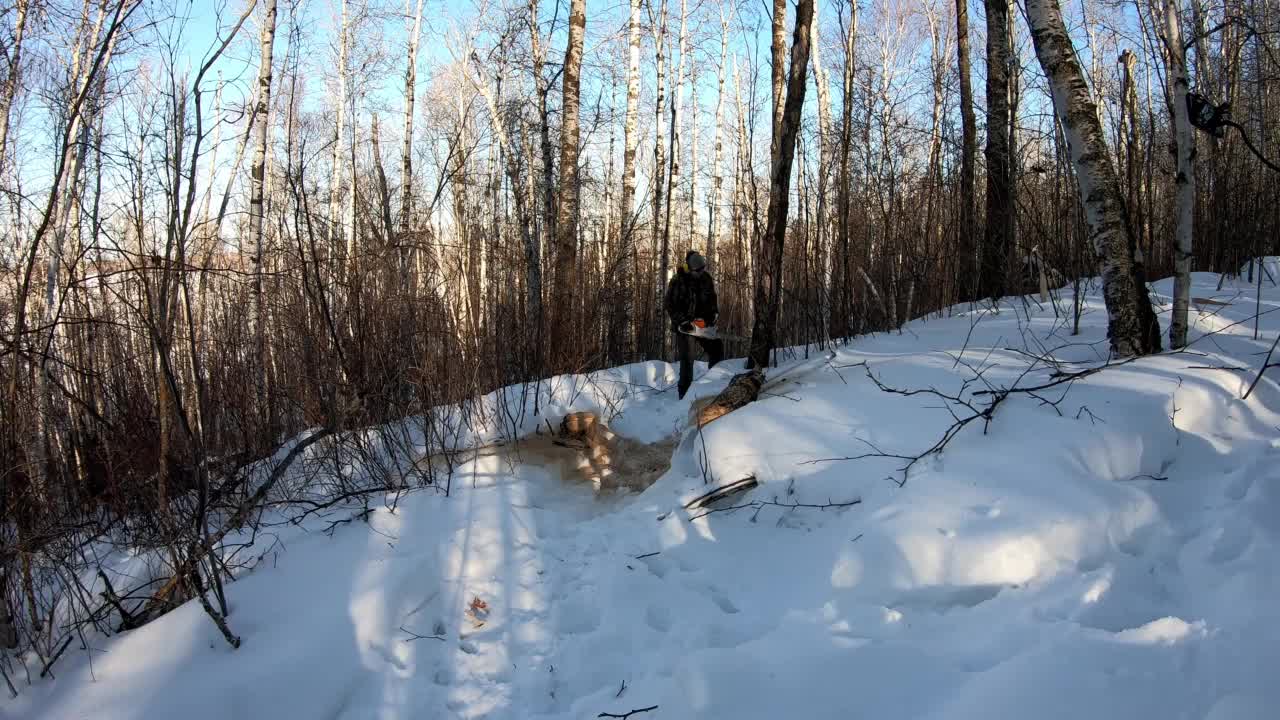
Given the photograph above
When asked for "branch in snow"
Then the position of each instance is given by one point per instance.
(633, 712)
(1266, 363)
(758, 504)
(415, 636)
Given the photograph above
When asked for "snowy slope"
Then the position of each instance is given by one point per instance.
(1107, 553)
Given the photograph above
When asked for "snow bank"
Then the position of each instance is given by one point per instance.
(1103, 549)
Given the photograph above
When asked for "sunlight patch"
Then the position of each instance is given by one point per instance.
(1165, 631)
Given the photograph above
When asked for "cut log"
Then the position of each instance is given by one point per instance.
(722, 492)
(742, 389)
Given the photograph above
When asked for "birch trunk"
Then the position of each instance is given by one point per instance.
(844, 192)
(257, 172)
(567, 209)
(677, 102)
(659, 175)
(768, 289)
(1185, 182)
(778, 68)
(626, 202)
(336, 240)
(1132, 326)
(406, 148)
(717, 166)
(1000, 209)
(967, 246)
(12, 82)
(824, 143)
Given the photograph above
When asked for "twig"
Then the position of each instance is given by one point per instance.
(13, 692)
(333, 524)
(1147, 477)
(1266, 363)
(416, 636)
(641, 557)
(633, 712)
(49, 665)
(621, 690)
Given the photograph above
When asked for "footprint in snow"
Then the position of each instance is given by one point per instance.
(1239, 486)
(578, 617)
(658, 618)
(1232, 542)
(723, 602)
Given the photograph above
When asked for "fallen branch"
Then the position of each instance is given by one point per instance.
(633, 712)
(1266, 363)
(49, 665)
(758, 504)
(415, 636)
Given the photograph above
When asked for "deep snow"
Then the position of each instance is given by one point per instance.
(1113, 557)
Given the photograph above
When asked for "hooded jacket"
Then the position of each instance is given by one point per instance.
(691, 296)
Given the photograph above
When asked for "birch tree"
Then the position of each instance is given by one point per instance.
(406, 148)
(258, 170)
(966, 248)
(626, 201)
(1132, 326)
(567, 208)
(1185, 177)
(768, 288)
(1000, 207)
(717, 163)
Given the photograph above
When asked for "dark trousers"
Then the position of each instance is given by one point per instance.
(714, 350)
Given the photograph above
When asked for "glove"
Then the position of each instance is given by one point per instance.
(700, 323)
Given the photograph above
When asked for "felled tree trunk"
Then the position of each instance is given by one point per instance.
(743, 388)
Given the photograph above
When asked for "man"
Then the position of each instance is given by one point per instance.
(691, 302)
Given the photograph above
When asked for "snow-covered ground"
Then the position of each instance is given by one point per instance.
(1110, 553)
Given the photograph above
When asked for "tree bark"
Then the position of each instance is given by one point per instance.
(1132, 326)
(966, 248)
(336, 239)
(1000, 207)
(13, 80)
(768, 289)
(778, 68)
(406, 148)
(844, 194)
(1185, 179)
(626, 202)
(567, 208)
(659, 340)
(257, 177)
(717, 165)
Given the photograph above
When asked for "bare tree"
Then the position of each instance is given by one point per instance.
(966, 248)
(11, 81)
(567, 208)
(1185, 179)
(258, 170)
(1000, 203)
(406, 148)
(768, 289)
(1132, 325)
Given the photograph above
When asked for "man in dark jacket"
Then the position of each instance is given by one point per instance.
(691, 298)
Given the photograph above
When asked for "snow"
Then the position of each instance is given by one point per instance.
(1113, 556)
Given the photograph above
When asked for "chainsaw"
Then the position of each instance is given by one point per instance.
(699, 328)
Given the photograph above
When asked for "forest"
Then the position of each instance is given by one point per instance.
(230, 222)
